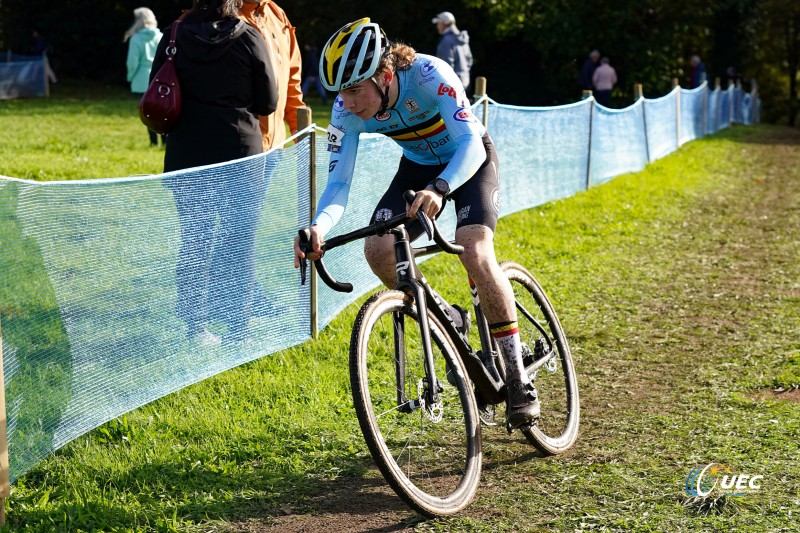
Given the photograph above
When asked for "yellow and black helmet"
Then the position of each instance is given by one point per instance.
(352, 55)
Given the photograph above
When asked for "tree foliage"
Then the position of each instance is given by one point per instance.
(529, 50)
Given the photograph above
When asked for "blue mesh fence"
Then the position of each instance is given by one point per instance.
(543, 152)
(619, 143)
(22, 76)
(114, 293)
(662, 124)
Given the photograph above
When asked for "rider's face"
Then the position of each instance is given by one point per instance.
(363, 100)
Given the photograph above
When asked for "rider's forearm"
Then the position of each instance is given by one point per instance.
(469, 156)
(331, 206)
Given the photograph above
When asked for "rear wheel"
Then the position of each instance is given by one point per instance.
(556, 383)
(428, 452)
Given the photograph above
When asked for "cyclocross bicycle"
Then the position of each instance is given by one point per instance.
(421, 391)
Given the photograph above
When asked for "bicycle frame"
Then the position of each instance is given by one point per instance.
(426, 298)
(491, 390)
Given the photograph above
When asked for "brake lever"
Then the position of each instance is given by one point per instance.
(305, 236)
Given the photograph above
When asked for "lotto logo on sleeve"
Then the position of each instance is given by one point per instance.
(446, 89)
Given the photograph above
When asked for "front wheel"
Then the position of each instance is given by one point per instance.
(429, 452)
(556, 383)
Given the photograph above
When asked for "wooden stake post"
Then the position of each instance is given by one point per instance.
(638, 90)
(677, 83)
(587, 94)
(304, 121)
(480, 92)
(5, 467)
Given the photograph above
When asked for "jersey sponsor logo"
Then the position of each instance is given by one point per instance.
(421, 130)
(383, 116)
(424, 146)
(463, 213)
(446, 89)
(423, 81)
(464, 114)
(332, 165)
(427, 68)
(421, 116)
(411, 105)
(383, 214)
(338, 104)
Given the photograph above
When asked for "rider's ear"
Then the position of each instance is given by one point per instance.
(388, 76)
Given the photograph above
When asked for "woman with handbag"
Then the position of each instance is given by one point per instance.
(142, 37)
(226, 81)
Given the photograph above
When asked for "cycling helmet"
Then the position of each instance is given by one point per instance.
(352, 55)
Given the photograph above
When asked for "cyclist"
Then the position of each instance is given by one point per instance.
(419, 102)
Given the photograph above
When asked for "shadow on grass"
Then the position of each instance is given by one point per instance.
(765, 135)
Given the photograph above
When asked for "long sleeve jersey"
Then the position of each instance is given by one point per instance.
(432, 121)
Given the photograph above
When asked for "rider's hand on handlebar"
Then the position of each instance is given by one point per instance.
(316, 240)
(427, 200)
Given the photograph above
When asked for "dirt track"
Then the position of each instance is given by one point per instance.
(751, 231)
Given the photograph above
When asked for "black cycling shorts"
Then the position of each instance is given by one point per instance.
(477, 201)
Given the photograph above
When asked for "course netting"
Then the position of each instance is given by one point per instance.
(22, 76)
(102, 281)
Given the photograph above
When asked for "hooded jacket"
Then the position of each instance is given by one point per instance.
(227, 81)
(271, 21)
(141, 51)
(454, 48)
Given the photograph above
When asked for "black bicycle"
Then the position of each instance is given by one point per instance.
(421, 391)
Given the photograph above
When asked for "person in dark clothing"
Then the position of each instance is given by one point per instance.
(311, 73)
(698, 72)
(587, 72)
(227, 81)
(454, 47)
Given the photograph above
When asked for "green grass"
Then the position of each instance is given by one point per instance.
(678, 290)
(84, 131)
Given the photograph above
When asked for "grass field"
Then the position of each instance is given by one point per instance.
(677, 286)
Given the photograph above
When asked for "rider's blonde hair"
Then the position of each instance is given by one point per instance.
(399, 57)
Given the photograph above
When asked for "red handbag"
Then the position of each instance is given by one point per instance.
(160, 105)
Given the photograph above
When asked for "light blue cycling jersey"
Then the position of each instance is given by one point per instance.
(432, 121)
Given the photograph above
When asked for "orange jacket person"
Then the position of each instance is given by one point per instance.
(274, 25)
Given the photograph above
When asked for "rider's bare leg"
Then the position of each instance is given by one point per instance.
(497, 302)
(379, 251)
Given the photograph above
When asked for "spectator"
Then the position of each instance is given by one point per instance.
(142, 37)
(698, 72)
(311, 73)
(603, 80)
(733, 76)
(41, 47)
(453, 46)
(227, 82)
(274, 26)
(587, 71)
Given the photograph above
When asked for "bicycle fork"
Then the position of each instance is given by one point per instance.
(407, 283)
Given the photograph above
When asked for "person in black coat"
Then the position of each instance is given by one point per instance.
(227, 81)
(587, 71)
